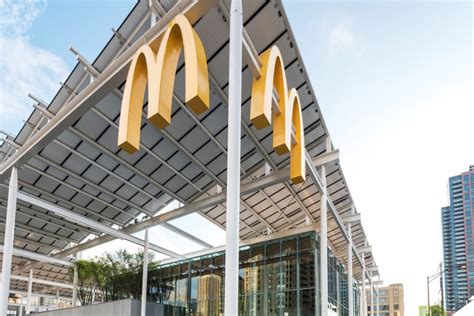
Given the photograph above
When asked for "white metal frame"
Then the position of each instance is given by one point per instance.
(7, 247)
(231, 283)
(76, 218)
(106, 82)
(33, 256)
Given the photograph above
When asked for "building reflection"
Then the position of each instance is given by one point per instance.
(276, 277)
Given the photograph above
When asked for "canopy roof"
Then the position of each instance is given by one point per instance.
(74, 161)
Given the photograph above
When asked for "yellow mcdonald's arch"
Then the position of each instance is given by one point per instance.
(288, 114)
(158, 71)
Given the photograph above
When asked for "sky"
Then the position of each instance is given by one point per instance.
(394, 80)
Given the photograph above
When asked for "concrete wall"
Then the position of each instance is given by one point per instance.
(128, 307)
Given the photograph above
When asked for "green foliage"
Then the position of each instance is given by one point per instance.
(90, 280)
(437, 310)
(111, 277)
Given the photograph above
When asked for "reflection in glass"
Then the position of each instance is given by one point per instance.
(276, 277)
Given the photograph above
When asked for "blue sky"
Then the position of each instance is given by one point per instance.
(394, 81)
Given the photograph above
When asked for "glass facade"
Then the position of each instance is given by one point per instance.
(277, 277)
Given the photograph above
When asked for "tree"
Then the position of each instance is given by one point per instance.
(90, 280)
(111, 276)
(437, 310)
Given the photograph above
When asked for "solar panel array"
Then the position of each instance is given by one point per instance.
(83, 169)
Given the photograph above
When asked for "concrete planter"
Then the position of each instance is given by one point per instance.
(127, 307)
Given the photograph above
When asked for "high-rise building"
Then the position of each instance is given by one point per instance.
(458, 247)
(390, 303)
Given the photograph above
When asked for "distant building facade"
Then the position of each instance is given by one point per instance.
(391, 301)
(458, 247)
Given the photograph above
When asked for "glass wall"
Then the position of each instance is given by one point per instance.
(276, 277)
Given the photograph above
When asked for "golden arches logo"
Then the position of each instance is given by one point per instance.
(287, 115)
(158, 72)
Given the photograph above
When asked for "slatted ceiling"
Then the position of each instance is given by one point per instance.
(184, 130)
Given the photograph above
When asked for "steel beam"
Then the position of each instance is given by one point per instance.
(368, 282)
(185, 234)
(31, 242)
(365, 249)
(39, 295)
(76, 218)
(36, 256)
(30, 229)
(372, 269)
(87, 182)
(72, 204)
(40, 281)
(327, 157)
(353, 218)
(38, 216)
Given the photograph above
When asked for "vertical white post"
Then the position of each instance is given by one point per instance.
(349, 273)
(364, 300)
(233, 162)
(28, 295)
(324, 246)
(21, 309)
(74, 283)
(8, 242)
(267, 169)
(153, 16)
(378, 300)
(369, 299)
(145, 274)
(57, 299)
(372, 289)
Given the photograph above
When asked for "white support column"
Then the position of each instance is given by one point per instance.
(364, 300)
(324, 246)
(378, 300)
(145, 274)
(233, 161)
(370, 298)
(8, 242)
(349, 272)
(57, 299)
(372, 289)
(74, 283)
(28, 295)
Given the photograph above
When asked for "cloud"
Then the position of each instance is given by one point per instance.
(24, 66)
(341, 38)
(17, 16)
